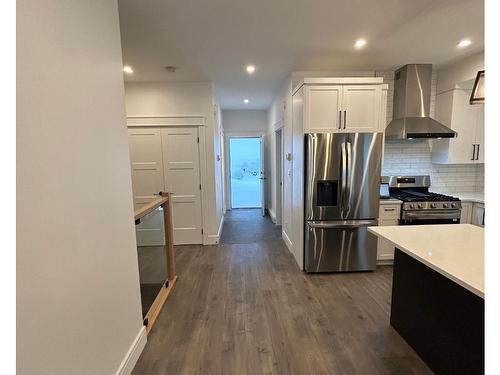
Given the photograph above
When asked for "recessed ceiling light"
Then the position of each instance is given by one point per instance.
(250, 69)
(360, 43)
(464, 43)
(128, 70)
(246, 101)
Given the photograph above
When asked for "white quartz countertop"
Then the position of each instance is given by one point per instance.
(390, 201)
(470, 197)
(454, 250)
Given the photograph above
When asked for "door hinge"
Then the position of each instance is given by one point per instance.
(201, 230)
(198, 139)
(200, 186)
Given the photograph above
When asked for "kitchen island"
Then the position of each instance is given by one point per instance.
(438, 293)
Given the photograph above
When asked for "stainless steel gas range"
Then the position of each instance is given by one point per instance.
(420, 206)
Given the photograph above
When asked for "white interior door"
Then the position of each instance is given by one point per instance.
(262, 178)
(181, 163)
(147, 181)
(279, 175)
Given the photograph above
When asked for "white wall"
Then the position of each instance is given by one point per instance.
(279, 116)
(167, 99)
(78, 301)
(241, 121)
(459, 71)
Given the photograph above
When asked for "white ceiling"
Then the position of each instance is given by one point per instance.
(214, 40)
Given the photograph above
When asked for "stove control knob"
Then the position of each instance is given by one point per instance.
(420, 205)
(445, 205)
(412, 205)
(454, 205)
(433, 205)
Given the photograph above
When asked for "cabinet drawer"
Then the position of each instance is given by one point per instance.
(389, 211)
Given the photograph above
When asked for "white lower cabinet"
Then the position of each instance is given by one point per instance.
(477, 217)
(472, 213)
(465, 214)
(388, 215)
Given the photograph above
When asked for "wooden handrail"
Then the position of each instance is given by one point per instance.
(151, 206)
(165, 201)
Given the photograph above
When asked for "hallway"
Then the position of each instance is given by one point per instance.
(244, 307)
(248, 226)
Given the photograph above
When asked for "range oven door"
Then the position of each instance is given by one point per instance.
(340, 246)
(431, 217)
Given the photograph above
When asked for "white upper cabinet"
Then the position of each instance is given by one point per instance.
(344, 108)
(453, 110)
(361, 108)
(324, 108)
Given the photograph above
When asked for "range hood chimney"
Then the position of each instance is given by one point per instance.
(412, 100)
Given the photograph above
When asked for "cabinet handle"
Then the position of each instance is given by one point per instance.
(345, 115)
(340, 119)
(389, 209)
(477, 152)
(473, 152)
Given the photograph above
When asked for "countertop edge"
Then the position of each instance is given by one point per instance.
(430, 265)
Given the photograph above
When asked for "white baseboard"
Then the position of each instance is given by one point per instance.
(385, 260)
(133, 353)
(287, 240)
(213, 239)
(272, 215)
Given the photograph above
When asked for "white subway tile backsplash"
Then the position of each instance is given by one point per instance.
(414, 158)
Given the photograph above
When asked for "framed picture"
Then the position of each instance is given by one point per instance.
(477, 95)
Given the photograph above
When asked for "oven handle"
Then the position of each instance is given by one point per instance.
(450, 214)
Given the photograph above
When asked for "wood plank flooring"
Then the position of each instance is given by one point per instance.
(244, 307)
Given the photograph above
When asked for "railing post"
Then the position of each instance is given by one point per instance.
(169, 235)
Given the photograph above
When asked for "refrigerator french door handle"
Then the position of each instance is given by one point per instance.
(344, 179)
(348, 174)
(342, 224)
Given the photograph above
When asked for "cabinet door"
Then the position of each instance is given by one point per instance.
(463, 122)
(478, 214)
(465, 213)
(479, 128)
(453, 110)
(361, 108)
(323, 109)
(385, 249)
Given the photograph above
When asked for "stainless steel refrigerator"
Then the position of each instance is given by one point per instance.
(342, 184)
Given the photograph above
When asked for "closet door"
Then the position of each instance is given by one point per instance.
(147, 181)
(181, 163)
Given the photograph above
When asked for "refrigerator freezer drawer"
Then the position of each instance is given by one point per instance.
(340, 246)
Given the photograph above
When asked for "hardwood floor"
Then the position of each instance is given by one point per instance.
(244, 307)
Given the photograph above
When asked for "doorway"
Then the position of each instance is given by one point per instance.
(246, 172)
(278, 183)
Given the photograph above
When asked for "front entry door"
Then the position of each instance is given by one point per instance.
(181, 164)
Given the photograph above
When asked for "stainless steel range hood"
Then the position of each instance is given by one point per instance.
(412, 100)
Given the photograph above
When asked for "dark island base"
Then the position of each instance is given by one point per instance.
(442, 321)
